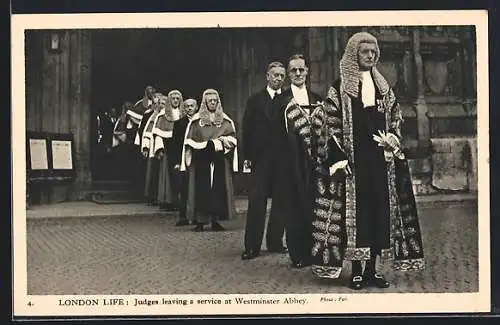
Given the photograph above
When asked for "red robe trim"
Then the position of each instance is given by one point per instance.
(220, 138)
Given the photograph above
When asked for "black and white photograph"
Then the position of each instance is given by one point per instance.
(242, 163)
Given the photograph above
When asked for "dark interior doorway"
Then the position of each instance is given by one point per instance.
(125, 61)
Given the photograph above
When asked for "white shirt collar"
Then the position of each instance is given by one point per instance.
(300, 94)
(272, 92)
(367, 89)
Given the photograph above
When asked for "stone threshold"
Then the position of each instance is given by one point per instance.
(87, 209)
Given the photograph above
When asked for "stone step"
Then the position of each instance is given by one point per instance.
(115, 197)
(112, 185)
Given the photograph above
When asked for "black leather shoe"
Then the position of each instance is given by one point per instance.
(248, 255)
(356, 283)
(280, 250)
(378, 281)
(198, 228)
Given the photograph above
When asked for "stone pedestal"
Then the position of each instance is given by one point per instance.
(454, 164)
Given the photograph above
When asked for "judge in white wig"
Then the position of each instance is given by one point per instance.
(168, 189)
(210, 151)
(364, 206)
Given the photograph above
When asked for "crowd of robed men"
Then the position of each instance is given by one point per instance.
(334, 167)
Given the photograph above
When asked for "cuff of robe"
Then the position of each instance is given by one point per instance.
(218, 145)
(158, 144)
(145, 144)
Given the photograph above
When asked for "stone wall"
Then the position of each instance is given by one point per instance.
(433, 72)
(58, 100)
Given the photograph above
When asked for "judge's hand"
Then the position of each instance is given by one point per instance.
(387, 140)
(225, 142)
(177, 167)
(390, 143)
(145, 153)
(247, 165)
(122, 137)
(342, 165)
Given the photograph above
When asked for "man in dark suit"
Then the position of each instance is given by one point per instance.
(258, 157)
(295, 155)
(190, 108)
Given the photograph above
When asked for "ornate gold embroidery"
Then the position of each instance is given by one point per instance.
(357, 254)
(334, 228)
(319, 236)
(323, 214)
(316, 248)
(409, 265)
(334, 121)
(321, 187)
(340, 188)
(329, 272)
(415, 246)
(293, 113)
(323, 202)
(336, 253)
(332, 187)
(337, 205)
(326, 256)
(319, 224)
(404, 248)
(333, 95)
(335, 240)
(300, 122)
(336, 216)
(305, 131)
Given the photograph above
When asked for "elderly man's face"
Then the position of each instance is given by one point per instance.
(276, 77)
(366, 56)
(212, 102)
(175, 99)
(162, 102)
(297, 72)
(150, 92)
(190, 106)
(127, 106)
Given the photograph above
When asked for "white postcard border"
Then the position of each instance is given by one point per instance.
(24, 305)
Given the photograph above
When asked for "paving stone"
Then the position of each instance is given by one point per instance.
(149, 255)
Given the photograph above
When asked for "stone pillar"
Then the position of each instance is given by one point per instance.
(337, 52)
(317, 64)
(468, 66)
(469, 98)
(79, 98)
(419, 104)
(65, 103)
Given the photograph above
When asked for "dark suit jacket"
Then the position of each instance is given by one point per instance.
(175, 152)
(258, 126)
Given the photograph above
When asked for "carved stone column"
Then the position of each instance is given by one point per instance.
(419, 104)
